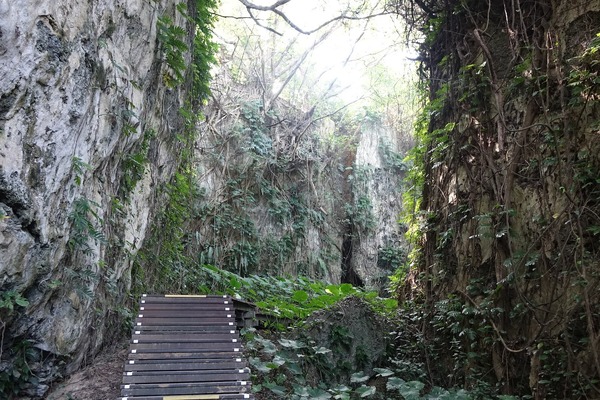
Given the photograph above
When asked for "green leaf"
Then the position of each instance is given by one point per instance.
(390, 304)
(268, 346)
(295, 368)
(291, 344)
(394, 383)
(300, 296)
(321, 350)
(21, 301)
(234, 283)
(437, 393)
(346, 288)
(318, 394)
(365, 391)
(358, 377)
(278, 361)
(342, 396)
(333, 289)
(259, 365)
(384, 372)
(275, 388)
(411, 390)
(341, 389)
(300, 390)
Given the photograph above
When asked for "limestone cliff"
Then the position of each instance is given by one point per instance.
(287, 192)
(86, 136)
(375, 235)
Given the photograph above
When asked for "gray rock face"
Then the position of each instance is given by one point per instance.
(80, 87)
(377, 182)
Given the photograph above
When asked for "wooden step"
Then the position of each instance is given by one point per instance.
(186, 348)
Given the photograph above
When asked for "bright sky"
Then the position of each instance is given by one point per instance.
(380, 43)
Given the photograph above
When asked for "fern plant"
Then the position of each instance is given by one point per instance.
(172, 38)
(85, 225)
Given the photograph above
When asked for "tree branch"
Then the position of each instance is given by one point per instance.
(257, 21)
(274, 8)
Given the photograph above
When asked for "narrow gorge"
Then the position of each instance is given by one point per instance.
(423, 172)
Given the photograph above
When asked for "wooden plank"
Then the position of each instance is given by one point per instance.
(185, 321)
(180, 328)
(136, 343)
(195, 364)
(184, 337)
(183, 355)
(186, 348)
(194, 397)
(201, 313)
(143, 389)
(238, 358)
(192, 296)
(185, 377)
(180, 347)
(185, 300)
(209, 373)
(187, 306)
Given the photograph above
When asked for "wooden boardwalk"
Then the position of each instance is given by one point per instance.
(185, 348)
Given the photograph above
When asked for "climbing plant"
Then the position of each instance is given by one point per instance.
(189, 54)
(506, 257)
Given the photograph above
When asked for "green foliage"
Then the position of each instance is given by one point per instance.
(163, 260)
(261, 179)
(255, 130)
(282, 366)
(11, 299)
(134, 164)
(536, 123)
(391, 159)
(170, 261)
(16, 373)
(79, 169)
(412, 215)
(341, 337)
(83, 281)
(584, 78)
(390, 257)
(204, 49)
(288, 299)
(173, 39)
(360, 213)
(86, 225)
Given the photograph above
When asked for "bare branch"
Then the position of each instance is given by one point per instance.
(274, 8)
(257, 21)
(294, 68)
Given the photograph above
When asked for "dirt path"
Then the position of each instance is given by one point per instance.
(100, 380)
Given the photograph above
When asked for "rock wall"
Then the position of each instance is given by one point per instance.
(288, 195)
(376, 235)
(81, 93)
(271, 198)
(510, 202)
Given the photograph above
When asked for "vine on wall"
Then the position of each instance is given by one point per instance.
(509, 212)
(189, 54)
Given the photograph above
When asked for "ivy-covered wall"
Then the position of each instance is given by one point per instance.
(510, 212)
(283, 192)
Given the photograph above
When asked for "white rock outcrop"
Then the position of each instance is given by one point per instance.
(81, 86)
